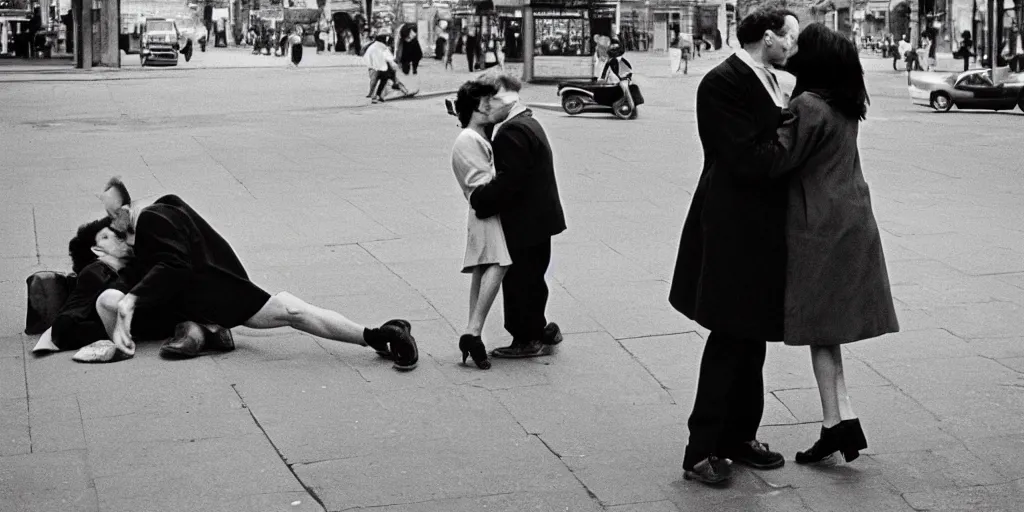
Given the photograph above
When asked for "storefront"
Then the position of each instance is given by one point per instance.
(14, 29)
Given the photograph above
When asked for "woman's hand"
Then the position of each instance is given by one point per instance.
(122, 337)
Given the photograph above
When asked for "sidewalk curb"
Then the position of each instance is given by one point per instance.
(101, 74)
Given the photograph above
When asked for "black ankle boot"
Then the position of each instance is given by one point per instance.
(827, 444)
(474, 346)
(853, 439)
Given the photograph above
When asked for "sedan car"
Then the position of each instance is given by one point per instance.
(969, 90)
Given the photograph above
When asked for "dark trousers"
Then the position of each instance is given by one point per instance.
(471, 58)
(730, 396)
(525, 293)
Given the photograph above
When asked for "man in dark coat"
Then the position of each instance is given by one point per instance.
(524, 192)
(730, 272)
(187, 279)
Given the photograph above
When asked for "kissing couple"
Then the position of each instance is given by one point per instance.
(503, 162)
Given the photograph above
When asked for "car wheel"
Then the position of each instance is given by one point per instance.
(621, 109)
(941, 102)
(1020, 102)
(572, 104)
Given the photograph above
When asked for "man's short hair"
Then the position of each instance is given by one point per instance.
(122, 190)
(80, 247)
(499, 80)
(752, 28)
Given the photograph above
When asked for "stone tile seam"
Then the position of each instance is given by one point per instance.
(902, 392)
(672, 398)
(358, 507)
(219, 164)
(309, 490)
(583, 484)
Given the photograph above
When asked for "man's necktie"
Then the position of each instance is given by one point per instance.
(776, 90)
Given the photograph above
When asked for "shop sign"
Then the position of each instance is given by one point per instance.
(558, 13)
(270, 13)
(509, 3)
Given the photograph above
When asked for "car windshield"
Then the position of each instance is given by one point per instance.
(160, 26)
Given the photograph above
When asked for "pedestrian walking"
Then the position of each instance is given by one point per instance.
(472, 48)
(411, 52)
(525, 193)
(730, 272)
(904, 51)
(295, 42)
(487, 257)
(965, 51)
(837, 285)
(373, 56)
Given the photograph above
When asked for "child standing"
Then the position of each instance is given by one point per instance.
(487, 255)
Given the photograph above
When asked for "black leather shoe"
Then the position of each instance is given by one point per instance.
(217, 338)
(401, 344)
(853, 439)
(711, 471)
(828, 443)
(756, 455)
(532, 348)
(552, 334)
(186, 343)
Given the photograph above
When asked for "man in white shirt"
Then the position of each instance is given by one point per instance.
(374, 58)
(730, 273)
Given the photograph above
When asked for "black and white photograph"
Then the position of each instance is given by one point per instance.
(511, 255)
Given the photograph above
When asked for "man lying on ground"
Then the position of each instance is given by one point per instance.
(187, 279)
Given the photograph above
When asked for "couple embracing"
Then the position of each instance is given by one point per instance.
(503, 162)
(780, 242)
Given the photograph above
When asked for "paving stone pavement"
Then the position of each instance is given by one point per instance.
(354, 208)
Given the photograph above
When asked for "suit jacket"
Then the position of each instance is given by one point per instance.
(524, 191)
(731, 268)
(176, 253)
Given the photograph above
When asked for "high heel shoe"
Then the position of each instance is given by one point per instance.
(852, 439)
(473, 346)
(827, 444)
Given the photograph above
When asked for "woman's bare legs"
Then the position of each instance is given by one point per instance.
(287, 310)
(483, 291)
(827, 362)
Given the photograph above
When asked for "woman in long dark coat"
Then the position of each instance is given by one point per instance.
(837, 286)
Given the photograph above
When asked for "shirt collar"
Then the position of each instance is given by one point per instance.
(517, 109)
(747, 59)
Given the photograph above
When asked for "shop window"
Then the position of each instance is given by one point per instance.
(563, 36)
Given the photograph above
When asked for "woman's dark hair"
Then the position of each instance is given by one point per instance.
(468, 99)
(753, 26)
(80, 247)
(827, 63)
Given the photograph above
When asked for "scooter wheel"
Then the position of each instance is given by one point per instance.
(621, 109)
(572, 104)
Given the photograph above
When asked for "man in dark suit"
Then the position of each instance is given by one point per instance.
(524, 192)
(730, 272)
(187, 280)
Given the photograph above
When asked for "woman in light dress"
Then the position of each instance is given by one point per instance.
(487, 255)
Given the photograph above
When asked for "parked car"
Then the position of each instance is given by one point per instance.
(969, 90)
(160, 42)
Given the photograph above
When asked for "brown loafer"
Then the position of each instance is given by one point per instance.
(186, 343)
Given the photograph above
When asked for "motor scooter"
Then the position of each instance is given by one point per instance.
(579, 96)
